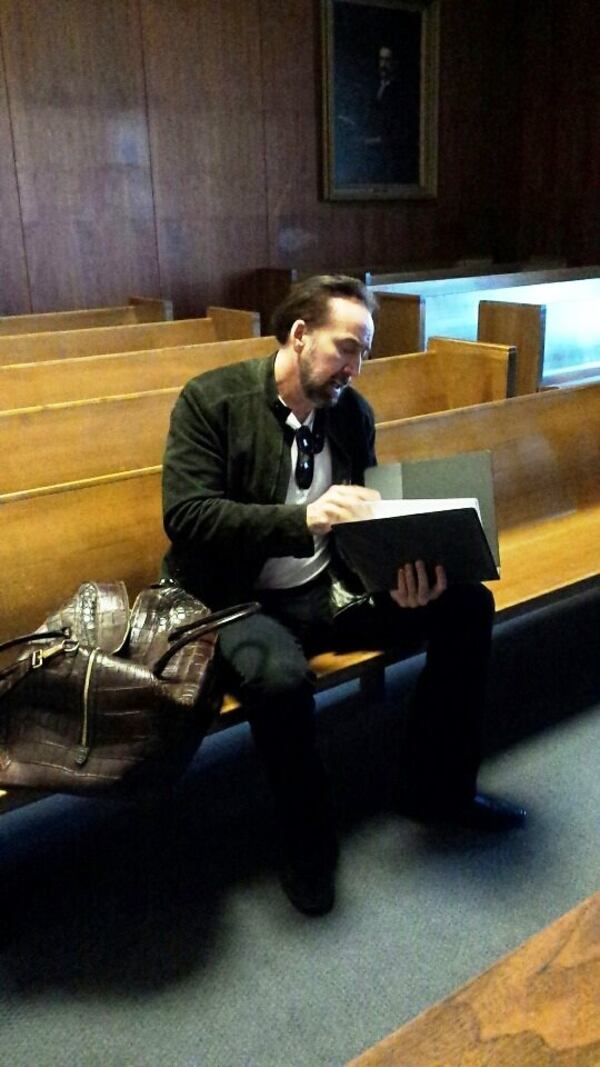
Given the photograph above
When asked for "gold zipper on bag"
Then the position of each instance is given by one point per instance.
(83, 749)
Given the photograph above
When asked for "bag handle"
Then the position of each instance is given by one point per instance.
(38, 655)
(180, 636)
(183, 635)
(25, 639)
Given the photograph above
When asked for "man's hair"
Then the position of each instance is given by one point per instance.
(309, 300)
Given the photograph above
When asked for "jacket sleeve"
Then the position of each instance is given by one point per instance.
(203, 501)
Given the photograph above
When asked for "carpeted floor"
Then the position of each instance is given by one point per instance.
(135, 940)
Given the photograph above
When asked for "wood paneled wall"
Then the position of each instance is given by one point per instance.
(560, 130)
(74, 72)
(205, 108)
(169, 148)
(14, 284)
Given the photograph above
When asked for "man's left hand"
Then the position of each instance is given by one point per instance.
(413, 589)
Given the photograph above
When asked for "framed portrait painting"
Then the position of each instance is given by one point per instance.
(380, 98)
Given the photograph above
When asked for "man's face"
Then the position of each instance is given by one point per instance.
(332, 354)
(387, 63)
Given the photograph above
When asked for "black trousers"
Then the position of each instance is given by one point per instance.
(264, 660)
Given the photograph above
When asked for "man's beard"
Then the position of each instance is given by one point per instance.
(321, 394)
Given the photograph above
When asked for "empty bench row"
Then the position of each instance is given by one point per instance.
(65, 442)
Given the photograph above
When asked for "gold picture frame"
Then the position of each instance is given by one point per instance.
(380, 64)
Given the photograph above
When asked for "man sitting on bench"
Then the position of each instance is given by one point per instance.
(262, 458)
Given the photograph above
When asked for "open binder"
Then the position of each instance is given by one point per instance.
(439, 511)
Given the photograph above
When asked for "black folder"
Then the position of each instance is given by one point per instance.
(465, 545)
(375, 548)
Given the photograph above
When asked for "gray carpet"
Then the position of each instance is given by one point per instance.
(133, 940)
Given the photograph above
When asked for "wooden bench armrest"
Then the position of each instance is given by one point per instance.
(232, 324)
(163, 308)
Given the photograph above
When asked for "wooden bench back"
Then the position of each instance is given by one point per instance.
(522, 325)
(81, 439)
(450, 374)
(233, 324)
(82, 378)
(399, 324)
(54, 540)
(546, 449)
(101, 530)
(400, 386)
(493, 365)
(60, 344)
(84, 439)
(139, 309)
(546, 457)
(402, 327)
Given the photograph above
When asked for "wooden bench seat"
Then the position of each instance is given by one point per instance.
(220, 324)
(60, 442)
(545, 455)
(139, 309)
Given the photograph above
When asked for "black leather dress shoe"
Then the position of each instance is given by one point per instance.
(480, 812)
(310, 890)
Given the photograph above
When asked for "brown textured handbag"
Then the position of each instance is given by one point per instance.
(101, 698)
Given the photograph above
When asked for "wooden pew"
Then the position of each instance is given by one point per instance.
(545, 456)
(499, 358)
(535, 320)
(56, 381)
(97, 529)
(100, 529)
(545, 453)
(85, 377)
(233, 324)
(449, 374)
(66, 442)
(139, 309)
(525, 326)
(402, 317)
(223, 324)
(399, 324)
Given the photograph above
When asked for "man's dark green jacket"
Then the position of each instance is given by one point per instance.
(226, 473)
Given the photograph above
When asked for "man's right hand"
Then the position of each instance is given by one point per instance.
(341, 503)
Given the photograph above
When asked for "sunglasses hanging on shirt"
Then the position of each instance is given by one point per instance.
(309, 443)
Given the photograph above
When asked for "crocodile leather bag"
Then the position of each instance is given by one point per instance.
(104, 698)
